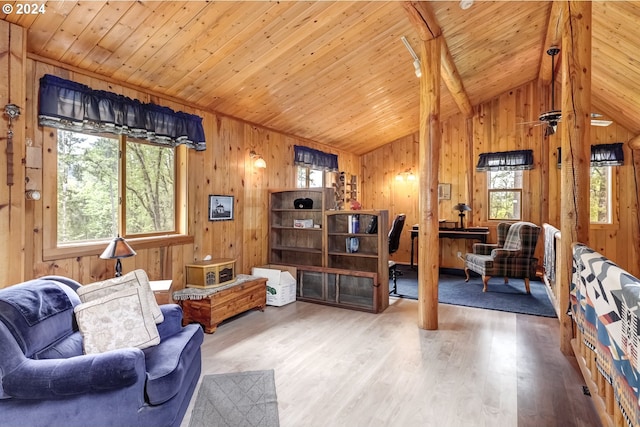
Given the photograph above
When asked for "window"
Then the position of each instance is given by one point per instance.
(600, 195)
(310, 178)
(312, 167)
(505, 194)
(109, 185)
(601, 188)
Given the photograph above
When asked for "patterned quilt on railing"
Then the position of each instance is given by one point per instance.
(605, 302)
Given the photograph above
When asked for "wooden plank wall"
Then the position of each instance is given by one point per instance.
(224, 168)
(497, 126)
(12, 200)
(617, 241)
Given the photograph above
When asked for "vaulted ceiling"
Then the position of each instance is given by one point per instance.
(333, 72)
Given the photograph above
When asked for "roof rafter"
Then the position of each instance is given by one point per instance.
(553, 38)
(424, 21)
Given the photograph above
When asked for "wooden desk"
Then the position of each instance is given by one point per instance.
(473, 233)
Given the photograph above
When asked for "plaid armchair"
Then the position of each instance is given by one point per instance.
(512, 256)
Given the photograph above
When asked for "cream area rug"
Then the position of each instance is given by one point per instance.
(241, 399)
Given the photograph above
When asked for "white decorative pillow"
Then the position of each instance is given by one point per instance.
(118, 320)
(137, 278)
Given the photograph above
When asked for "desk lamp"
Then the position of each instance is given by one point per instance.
(118, 248)
(462, 207)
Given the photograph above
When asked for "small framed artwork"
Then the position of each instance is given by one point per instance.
(444, 191)
(220, 208)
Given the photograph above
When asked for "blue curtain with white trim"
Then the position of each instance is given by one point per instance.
(64, 104)
(602, 155)
(505, 161)
(316, 159)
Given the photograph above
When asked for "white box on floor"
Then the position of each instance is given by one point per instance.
(281, 283)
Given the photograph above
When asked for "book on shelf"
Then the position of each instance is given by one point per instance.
(353, 225)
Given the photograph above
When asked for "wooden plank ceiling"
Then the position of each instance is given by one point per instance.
(333, 72)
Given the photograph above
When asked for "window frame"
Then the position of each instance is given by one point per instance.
(51, 250)
(518, 190)
(122, 180)
(613, 195)
(307, 169)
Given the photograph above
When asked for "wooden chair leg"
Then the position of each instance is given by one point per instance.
(506, 279)
(466, 272)
(526, 285)
(485, 282)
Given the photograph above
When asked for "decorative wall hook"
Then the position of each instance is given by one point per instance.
(13, 112)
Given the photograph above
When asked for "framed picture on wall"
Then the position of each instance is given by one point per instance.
(444, 191)
(220, 208)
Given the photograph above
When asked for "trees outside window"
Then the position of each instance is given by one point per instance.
(109, 186)
(150, 188)
(505, 195)
(310, 178)
(600, 195)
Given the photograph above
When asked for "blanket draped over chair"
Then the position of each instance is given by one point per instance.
(514, 258)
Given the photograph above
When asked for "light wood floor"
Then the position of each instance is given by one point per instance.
(337, 367)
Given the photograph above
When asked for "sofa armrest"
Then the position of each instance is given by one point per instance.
(504, 253)
(172, 323)
(484, 248)
(59, 378)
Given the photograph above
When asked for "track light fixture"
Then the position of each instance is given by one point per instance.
(416, 60)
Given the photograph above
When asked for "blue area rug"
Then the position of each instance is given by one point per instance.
(452, 289)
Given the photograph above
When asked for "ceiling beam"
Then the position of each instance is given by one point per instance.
(553, 38)
(426, 25)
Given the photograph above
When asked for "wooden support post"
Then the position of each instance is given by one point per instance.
(429, 149)
(426, 25)
(468, 154)
(634, 144)
(576, 147)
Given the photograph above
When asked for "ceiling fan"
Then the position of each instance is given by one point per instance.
(552, 117)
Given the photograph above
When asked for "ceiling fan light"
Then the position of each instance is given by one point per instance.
(466, 4)
(551, 129)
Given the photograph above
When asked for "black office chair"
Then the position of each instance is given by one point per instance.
(394, 243)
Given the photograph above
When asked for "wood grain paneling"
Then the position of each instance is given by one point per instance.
(12, 172)
(332, 72)
(224, 168)
(498, 126)
(290, 67)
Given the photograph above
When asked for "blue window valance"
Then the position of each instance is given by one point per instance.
(602, 155)
(305, 156)
(65, 104)
(505, 161)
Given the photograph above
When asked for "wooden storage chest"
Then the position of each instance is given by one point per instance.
(229, 301)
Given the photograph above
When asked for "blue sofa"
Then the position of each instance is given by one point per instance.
(46, 380)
